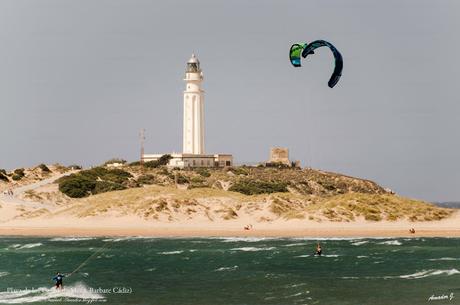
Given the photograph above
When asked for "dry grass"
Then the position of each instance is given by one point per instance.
(169, 203)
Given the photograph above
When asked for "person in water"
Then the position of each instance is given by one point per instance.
(58, 279)
(318, 250)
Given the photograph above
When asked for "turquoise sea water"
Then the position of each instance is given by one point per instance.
(231, 271)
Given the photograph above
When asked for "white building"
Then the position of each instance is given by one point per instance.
(193, 127)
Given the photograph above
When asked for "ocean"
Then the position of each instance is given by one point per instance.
(230, 271)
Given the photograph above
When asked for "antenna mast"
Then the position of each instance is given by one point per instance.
(142, 139)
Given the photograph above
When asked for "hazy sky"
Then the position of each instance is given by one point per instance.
(78, 79)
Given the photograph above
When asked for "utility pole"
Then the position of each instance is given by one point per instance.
(142, 139)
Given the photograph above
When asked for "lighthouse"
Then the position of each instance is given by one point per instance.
(193, 134)
(193, 154)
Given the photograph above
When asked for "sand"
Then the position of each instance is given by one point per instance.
(133, 226)
(29, 218)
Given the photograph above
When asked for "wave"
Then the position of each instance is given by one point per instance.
(25, 246)
(445, 259)
(391, 243)
(244, 239)
(359, 243)
(227, 268)
(171, 252)
(427, 273)
(71, 238)
(252, 249)
(79, 291)
(305, 255)
(294, 244)
(4, 273)
(362, 256)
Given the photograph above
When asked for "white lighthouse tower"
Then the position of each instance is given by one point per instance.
(193, 154)
(193, 137)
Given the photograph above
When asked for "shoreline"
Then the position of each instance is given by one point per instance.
(175, 232)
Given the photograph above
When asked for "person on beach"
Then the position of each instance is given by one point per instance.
(58, 279)
(318, 250)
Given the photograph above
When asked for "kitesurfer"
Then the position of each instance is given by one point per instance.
(58, 279)
(318, 250)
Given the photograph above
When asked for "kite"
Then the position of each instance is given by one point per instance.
(306, 49)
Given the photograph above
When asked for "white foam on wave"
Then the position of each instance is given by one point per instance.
(359, 243)
(305, 255)
(444, 259)
(71, 238)
(79, 291)
(362, 256)
(28, 246)
(294, 244)
(253, 249)
(391, 243)
(171, 252)
(431, 272)
(243, 239)
(233, 268)
(331, 255)
(4, 273)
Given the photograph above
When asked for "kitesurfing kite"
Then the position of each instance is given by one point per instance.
(306, 49)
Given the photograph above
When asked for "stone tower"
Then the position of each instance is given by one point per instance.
(193, 137)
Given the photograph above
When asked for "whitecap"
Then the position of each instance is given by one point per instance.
(305, 255)
(71, 238)
(349, 277)
(227, 268)
(362, 256)
(294, 244)
(252, 249)
(29, 246)
(431, 272)
(331, 255)
(4, 273)
(444, 259)
(391, 243)
(171, 252)
(243, 239)
(359, 243)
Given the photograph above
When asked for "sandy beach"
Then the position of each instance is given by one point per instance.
(131, 226)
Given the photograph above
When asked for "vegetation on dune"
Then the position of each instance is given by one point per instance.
(3, 175)
(44, 168)
(18, 174)
(163, 160)
(115, 160)
(254, 187)
(94, 181)
(287, 193)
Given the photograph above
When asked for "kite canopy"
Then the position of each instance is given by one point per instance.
(308, 49)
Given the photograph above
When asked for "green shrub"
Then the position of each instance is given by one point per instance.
(114, 160)
(163, 160)
(93, 181)
(2, 171)
(146, 179)
(76, 185)
(75, 166)
(203, 172)
(181, 179)
(135, 163)
(106, 186)
(254, 187)
(19, 172)
(197, 179)
(17, 177)
(3, 176)
(44, 168)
